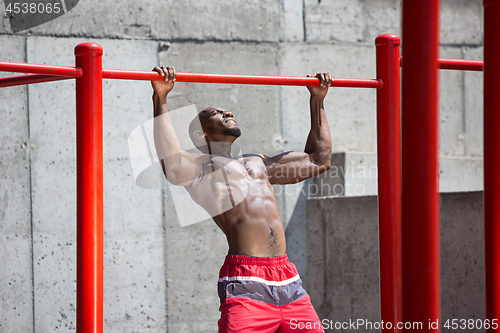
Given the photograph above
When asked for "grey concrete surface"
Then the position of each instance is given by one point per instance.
(182, 20)
(342, 258)
(473, 105)
(342, 253)
(351, 112)
(451, 110)
(460, 174)
(255, 108)
(53, 177)
(293, 14)
(351, 174)
(350, 21)
(134, 234)
(158, 276)
(462, 256)
(295, 198)
(16, 286)
(195, 254)
(461, 22)
(339, 21)
(356, 174)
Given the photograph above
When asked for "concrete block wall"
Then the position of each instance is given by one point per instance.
(159, 276)
(343, 268)
(16, 287)
(135, 290)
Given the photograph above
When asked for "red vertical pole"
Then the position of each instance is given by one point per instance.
(420, 197)
(389, 179)
(89, 284)
(492, 157)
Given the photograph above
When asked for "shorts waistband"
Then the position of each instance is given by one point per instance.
(259, 261)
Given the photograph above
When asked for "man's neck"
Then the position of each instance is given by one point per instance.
(220, 149)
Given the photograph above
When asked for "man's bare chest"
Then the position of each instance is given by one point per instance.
(220, 168)
(224, 183)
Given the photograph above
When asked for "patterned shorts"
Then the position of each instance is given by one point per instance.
(264, 295)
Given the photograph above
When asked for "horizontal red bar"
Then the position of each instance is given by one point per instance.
(457, 64)
(240, 79)
(21, 67)
(28, 79)
(460, 64)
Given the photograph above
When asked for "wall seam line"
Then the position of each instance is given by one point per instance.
(28, 153)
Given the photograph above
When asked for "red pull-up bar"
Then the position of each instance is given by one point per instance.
(492, 158)
(389, 179)
(68, 72)
(461, 64)
(89, 189)
(420, 197)
(55, 73)
(89, 74)
(240, 79)
(89, 159)
(22, 67)
(29, 79)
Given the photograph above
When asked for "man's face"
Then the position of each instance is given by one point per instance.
(217, 121)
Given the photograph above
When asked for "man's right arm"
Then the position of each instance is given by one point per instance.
(179, 166)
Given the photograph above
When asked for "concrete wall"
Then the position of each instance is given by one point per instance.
(159, 276)
(342, 253)
(16, 288)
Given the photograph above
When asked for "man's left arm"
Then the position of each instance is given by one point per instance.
(293, 167)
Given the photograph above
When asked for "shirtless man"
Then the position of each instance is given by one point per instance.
(260, 290)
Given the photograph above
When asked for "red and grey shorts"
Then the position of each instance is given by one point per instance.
(264, 295)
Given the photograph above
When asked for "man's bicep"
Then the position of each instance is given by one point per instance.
(289, 167)
(286, 158)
